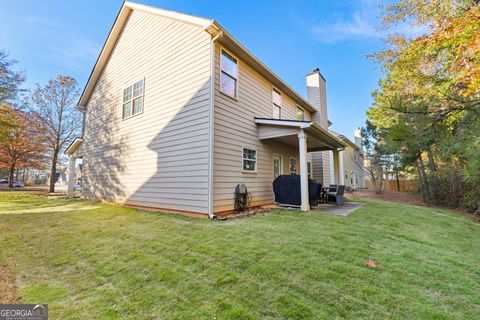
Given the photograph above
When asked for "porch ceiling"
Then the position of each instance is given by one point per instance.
(286, 132)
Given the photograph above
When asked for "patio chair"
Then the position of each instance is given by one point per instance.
(337, 194)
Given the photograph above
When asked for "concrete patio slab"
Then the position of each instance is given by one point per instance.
(339, 210)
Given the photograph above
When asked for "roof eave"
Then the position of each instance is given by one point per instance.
(335, 142)
(115, 31)
(234, 45)
(209, 25)
(73, 147)
(342, 144)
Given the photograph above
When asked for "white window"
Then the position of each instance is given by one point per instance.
(276, 104)
(309, 170)
(228, 74)
(249, 160)
(293, 166)
(277, 165)
(133, 99)
(300, 114)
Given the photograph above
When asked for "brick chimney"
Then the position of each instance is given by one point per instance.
(317, 96)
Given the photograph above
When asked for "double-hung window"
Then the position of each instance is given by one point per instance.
(293, 166)
(132, 99)
(228, 75)
(309, 170)
(300, 114)
(276, 104)
(249, 160)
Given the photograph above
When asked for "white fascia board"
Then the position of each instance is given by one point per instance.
(199, 21)
(297, 124)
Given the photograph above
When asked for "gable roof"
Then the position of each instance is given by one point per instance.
(348, 141)
(209, 25)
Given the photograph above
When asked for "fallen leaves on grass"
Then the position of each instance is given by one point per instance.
(8, 286)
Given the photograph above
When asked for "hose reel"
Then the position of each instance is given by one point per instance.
(242, 198)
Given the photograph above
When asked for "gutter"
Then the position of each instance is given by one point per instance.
(211, 124)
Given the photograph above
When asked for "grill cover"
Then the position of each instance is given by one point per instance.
(287, 190)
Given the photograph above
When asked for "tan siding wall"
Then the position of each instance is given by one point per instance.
(158, 158)
(355, 165)
(235, 128)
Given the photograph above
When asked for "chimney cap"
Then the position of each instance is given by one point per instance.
(316, 70)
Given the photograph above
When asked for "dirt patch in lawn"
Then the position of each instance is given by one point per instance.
(8, 286)
(371, 263)
(404, 197)
(387, 195)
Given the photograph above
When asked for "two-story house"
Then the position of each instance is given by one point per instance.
(177, 112)
(353, 161)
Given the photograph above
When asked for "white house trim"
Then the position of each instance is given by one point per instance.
(302, 149)
(209, 25)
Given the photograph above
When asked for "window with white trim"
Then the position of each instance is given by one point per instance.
(293, 166)
(276, 104)
(132, 99)
(228, 74)
(249, 160)
(309, 170)
(300, 114)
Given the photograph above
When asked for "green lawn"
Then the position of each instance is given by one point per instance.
(97, 261)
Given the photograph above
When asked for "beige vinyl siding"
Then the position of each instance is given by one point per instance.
(352, 164)
(235, 128)
(158, 158)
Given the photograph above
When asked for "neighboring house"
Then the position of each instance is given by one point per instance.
(353, 161)
(177, 113)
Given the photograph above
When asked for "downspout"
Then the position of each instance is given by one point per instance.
(211, 124)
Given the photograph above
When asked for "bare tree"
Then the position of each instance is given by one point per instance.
(55, 103)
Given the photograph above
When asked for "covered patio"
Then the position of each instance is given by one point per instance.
(307, 136)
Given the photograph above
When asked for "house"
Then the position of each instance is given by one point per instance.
(353, 161)
(177, 113)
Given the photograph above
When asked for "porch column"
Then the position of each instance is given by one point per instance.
(71, 176)
(341, 172)
(302, 149)
(331, 167)
(336, 168)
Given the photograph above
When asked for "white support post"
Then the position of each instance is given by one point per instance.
(71, 176)
(302, 149)
(331, 167)
(341, 173)
(335, 167)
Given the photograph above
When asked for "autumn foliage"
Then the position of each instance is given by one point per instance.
(427, 107)
(22, 140)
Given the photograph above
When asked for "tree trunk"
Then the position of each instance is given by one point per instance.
(398, 181)
(422, 186)
(11, 174)
(435, 180)
(378, 183)
(454, 189)
(425, 179)
(53, 171)
(378, 188)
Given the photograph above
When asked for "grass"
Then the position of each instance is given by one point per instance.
(99, 261)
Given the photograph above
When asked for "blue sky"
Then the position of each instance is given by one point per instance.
(53, 37)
